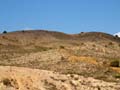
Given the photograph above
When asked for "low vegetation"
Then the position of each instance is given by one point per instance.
(62, 47)
(4, 32)
(115, 63)
(117, 76)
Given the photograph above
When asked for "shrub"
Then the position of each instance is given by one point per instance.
(6, 82)
(82, 43)
(115, 63)
(4, 32)
(117, 76)
(110, 43)
(23, 31)
(62, 47)
(82, 32)
(116, 36)
(119, 45)
(39, 48)
(106, 46)
(94, 45)
(62, 58)
(4, 37)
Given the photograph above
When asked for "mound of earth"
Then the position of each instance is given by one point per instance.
(89, 54)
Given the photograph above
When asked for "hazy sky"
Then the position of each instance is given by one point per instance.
(69, 16)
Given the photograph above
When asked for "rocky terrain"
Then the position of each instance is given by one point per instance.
(14, 78)
(49, 60)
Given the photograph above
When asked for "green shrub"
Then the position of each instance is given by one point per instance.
(81, 32)
(115, 63)
(117, 76)
(4, 32)
(116, 36)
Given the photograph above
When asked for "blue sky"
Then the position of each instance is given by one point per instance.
(69, 16)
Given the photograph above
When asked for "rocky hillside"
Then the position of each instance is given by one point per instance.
(87, 54)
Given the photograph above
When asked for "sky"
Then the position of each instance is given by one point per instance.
(69, 16)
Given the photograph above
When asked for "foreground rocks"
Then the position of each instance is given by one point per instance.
(18, 78)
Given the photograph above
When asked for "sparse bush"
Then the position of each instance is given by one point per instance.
(4, 32)
(9, 82)
(82, 32)
(115, 63)
(50, 48)
(82, 44)
(117, 76)
(62, 47)
(94, 45)
(1, 44)
(4, 37)
(62, 58)
(6, 82)
(116, 36)
(23, 31)
(106, 46)
(39, 48)
(49, 86)
(119, 45)
(110, 43)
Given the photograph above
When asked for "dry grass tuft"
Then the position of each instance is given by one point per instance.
(86, 59)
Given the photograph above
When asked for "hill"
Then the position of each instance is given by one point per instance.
(90, 54)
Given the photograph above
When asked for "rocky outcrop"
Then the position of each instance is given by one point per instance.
(19, 78)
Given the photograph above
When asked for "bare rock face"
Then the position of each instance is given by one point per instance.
(18, 78)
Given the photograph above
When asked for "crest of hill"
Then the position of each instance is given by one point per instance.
(97, 36)
(44, 35)
(37, 33)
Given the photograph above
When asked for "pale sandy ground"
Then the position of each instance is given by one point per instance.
(19, 78)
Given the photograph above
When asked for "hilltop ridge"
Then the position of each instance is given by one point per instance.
(44, 35)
